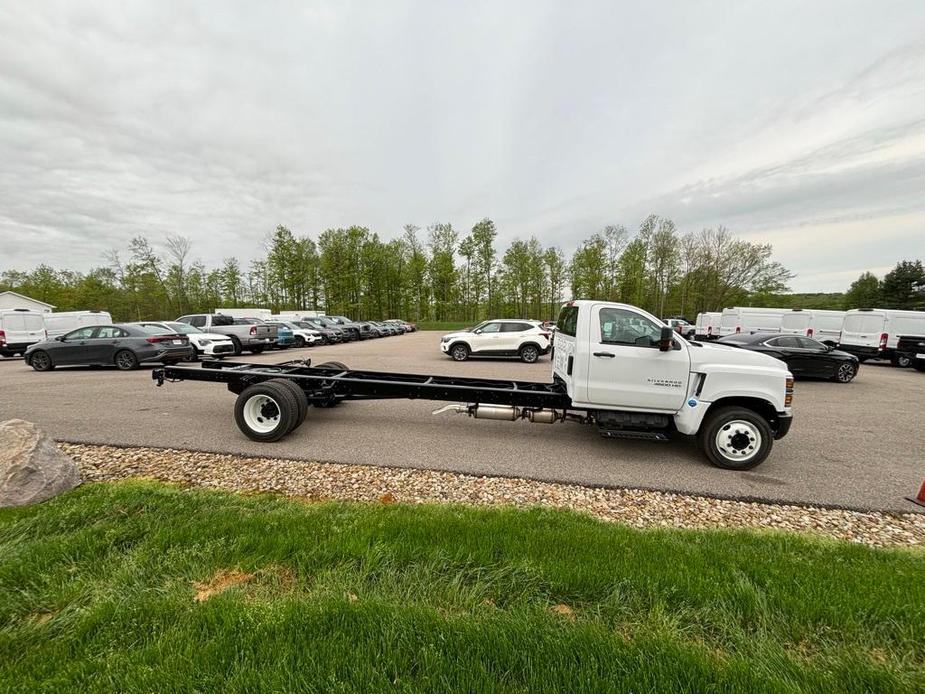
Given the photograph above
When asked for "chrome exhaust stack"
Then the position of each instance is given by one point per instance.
(504, 413)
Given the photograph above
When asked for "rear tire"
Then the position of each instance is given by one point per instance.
(902, 361)
(266, 412)
(459, 352)
(734, 438)
(529, 354)
(845, 372)
(256, 350)
(300, 397)
(125, 360)
(41, 361)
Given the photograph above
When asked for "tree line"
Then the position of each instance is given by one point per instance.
(437, 273)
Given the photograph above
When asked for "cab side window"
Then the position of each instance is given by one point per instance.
(81, 334)
(491, 328)
(199, 321)
(621, 327)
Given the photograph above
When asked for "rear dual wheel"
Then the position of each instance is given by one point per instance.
(268, 411)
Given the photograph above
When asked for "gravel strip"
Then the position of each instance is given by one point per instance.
(638, 508)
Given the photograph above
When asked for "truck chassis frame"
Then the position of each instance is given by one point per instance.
(327, 385)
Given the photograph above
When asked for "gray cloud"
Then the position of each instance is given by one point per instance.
(800, 126)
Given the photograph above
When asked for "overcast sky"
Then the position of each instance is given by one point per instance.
(801, 124)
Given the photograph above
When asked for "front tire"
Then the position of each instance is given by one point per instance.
(459, 352)
(41, 361)
(266, 412)
(299, 342)
(845, 372)
(529, 354)
(237, 346)
(126, 360)
(734, 438)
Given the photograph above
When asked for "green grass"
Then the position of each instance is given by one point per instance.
(97, 593)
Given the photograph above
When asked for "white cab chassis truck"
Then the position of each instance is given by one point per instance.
(616, 367)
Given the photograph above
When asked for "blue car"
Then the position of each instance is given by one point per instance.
(285, 338)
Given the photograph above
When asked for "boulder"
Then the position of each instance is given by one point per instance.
(32, 469)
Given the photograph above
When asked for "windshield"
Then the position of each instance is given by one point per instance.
(183, 328)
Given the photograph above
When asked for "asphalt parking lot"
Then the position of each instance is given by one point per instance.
(860, 445)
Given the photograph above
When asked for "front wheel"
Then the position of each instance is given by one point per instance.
(41, 361)
(845, 372)
(237, 346)
(734, 438)
(299, 342)
(529, 354)
(459, 353)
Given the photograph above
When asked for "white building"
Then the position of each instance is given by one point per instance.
(14, 300)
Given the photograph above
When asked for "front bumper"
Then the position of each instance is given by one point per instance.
(219, 348)
(784, 422)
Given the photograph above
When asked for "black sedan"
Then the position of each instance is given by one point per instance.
(122, 346)
(804, 356)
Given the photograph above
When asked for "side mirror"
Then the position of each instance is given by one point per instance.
(478, 332)
(60, 338)
(665, 341)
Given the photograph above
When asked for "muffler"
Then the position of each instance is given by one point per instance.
(504, 413)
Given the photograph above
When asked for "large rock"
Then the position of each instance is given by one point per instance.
(32, 468)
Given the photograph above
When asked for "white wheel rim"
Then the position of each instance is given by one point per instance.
(738, 440)
(844, 371)
(261, 413)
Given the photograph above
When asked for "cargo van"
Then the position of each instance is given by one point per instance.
(19, 328)
(707, 327)
(751, 320)
(66, 321)
(824, 326)
(872, 333)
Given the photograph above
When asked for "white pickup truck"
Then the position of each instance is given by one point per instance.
(616, 363)
(616, 367)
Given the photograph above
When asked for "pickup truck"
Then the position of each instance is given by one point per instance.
(616, 368)
(246, 337)
(913, 347)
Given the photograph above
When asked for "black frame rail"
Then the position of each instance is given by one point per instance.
(323, 384)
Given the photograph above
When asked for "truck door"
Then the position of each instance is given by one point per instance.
(626, 370)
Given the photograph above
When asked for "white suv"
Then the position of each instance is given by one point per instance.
(498, 338)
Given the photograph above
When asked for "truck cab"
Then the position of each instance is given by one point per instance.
(637, 377)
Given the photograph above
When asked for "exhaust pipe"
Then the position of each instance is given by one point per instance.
(504, 413)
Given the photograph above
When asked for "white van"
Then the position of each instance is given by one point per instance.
(751, 320)
(66, 321)
(872, 333)
(707, 327)
(299, 315)
(19, 328)
(824, 326)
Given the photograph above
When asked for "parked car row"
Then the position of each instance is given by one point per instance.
(866, 333)
(190, 337)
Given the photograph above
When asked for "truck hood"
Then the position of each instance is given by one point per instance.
(713, 354)
(457, 335)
